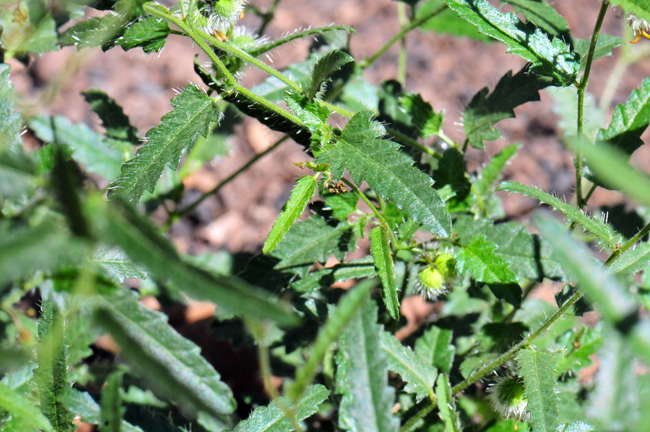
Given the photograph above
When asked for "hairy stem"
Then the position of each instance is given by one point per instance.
(645, 230)
(430, 406)
(402, 59)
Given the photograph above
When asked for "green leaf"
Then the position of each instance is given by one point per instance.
(576, 427)
(272, 419)
(313, 240)
(629, 121)
(362, 375)
(323, 70)
(121, 226)
(419, 376)
(114, 121)
(632, 260)
(566, 99)
(51, 376)
(111, 404)
(487, 109)
(94, 32)
(356, 269)
(193, 112)
(446, 405)
(447, 21)
(149, 33)
(606, 43)
(10, 121)
(538, 371)
(425, 119)
(434, 348)
(640, 8)
(491, 173)
(551, 59)
(341, 204)
(117, 265)
(339, 319)
(542, 15)
(172, 364)
(480, 259)
(36, 34)
(382, 255)
(595, 226)
(586, 343)
(44, 247)
(23, 409)
(291, 211)
(388, 171)
(84, 405)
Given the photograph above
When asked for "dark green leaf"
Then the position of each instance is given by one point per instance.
(425, 119)
(324, 69)
(419, 376)
(543, 16)
(487, 109)
(362, 375)
(550, 59)
(272, 419)
(193, 113)
(172, 364)
(150, 34)
(357, 269)
(479, 257)
(446, 405)
(595, 226)
(538, 371)
(84, 405)
(114, 121)
(388, 171)
(447, 21)
(383, 258)
(111, 406)
(94, 32)
(434, 348)
(291, 211)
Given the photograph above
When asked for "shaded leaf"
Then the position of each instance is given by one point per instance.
(542, 15)
(111, 405)
(324, 68)
(383, 258)
(114, 121)
(356, 269)
(85, 406)
(538, 371)
(117, 265)
(492, 171)
(424, 118)
(149, 33)
(446, 405)
(419, 376)
(434, 348)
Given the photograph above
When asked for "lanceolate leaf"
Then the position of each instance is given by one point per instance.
(480, 259)
(419, 376)
(388, 171)
(434, 348)
(272, 419)
(111, 404)
(629, 121)
(632, 260)
(193, 112)
(595, 226)
(172, 364)
(362, 375)
(117, 265)
(382, 255)
(10, 122)
(114, 121)
(300, 197)
(487, 109)
(551, 59)
(491, 173)
(446, 405)
(94, 32)
(23, 409)
(150, 34)
(538, 371)
(542, 15)
(324, 69)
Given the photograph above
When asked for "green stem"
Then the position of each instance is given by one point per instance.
(415, 23)
(402, 59)
(419, 416)
(231, 177)
(162, 12)
(645, 230)
(582, 87)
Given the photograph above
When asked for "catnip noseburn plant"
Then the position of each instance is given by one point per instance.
(79, 247)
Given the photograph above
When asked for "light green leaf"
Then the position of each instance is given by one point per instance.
(149, 33)
(479, 257)
(542, 15)
(629, 121)
(193, 112)
(111, 404)
(575, 427)
(640, 8)
(632, 260)
(434, 348)
(23, 409)
(419, 376)
(89, 411)
(323, 70)
(114, 121)
(122, 226)
(117, 264)
(172, 364)
(362, 375)
(491, 173)
(291, 211)
(272, 419)
(36, 34)
(538, 371)
(383, 258)
(606, 43)
(551, 59)
(388, 171)
(447, 21)
(595, 226)
(487, 109)
(446, 405)
(10, 121)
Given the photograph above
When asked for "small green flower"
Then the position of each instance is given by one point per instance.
(506, 396)
(215, 17)
(431, 283)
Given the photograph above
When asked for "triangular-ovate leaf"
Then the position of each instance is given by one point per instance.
(272, 419)
(383, 258)
(538, 371)
(595, 226)
(362, 375)
(550, 58)
(300, 197)
(388, 171)
(434, 348)
(479, 257)
(419, 376)
(192, 115)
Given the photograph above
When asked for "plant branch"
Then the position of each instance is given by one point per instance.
(402, 59)
(365, 63)
(430, 406)
(645, 230)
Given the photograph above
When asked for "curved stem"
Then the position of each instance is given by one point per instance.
(415, 23)
(631, 242)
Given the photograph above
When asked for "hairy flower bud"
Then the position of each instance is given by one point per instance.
(506, 396)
